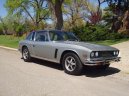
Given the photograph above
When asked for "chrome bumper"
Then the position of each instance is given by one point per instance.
(102, 61)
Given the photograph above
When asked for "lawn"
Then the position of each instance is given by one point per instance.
(110, 42)
(11, 41)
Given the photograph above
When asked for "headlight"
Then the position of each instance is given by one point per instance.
(94, 54)
(116, 53)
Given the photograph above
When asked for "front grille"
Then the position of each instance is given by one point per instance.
(106, 54)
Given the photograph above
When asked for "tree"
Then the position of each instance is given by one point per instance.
(95, 17)
(82, 11)
(4, 27)
(120, 10)
(56, 7)
(73, 9)
(93, 12)
(37, 10)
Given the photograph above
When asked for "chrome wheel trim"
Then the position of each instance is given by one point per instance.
(70, 63)
(25, 54)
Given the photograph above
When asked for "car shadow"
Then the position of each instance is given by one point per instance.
(47, 64)
(90, 71)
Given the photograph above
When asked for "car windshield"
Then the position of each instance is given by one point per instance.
(63, 36)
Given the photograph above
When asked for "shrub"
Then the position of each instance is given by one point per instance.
(96, 33)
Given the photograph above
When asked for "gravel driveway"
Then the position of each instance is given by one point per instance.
(41, 78)
(123, 65)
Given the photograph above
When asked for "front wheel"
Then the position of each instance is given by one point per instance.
(26, 54)
(72, 64)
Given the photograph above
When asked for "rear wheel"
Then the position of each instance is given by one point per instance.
(72, 64)
(26, 54)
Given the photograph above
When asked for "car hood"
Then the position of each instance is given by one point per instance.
(91, 46)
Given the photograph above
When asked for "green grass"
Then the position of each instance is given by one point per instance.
(11, 41)
(110, 42)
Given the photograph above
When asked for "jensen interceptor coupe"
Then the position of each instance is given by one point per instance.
(65, 48)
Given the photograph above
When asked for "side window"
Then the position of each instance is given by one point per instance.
(55, 36)
(30, 36)
(41, 36)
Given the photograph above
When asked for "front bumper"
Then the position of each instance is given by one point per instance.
(102, 61)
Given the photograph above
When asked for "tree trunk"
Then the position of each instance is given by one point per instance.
(58, 14)
(126, 20)
(125, 28)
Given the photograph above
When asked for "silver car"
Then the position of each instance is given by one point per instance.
(65, 48)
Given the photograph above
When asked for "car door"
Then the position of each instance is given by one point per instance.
(30, 42)
(54, 37)
(42, 45)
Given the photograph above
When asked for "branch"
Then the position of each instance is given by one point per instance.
(100, 4)
(41, 2)
(103, 1)
(37, 3)
(43, 17)
(50, 1)
(51, 4)
(28, 13)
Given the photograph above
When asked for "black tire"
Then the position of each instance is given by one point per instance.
(103, 67)
(26, 55)
(76, 65)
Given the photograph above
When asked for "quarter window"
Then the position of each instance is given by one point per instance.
(30, 36)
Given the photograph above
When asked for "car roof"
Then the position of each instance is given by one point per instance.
(50, 31)
(41, 31)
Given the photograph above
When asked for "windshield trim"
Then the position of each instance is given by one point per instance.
(61, 37)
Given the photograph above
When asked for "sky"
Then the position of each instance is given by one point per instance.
(3, 11)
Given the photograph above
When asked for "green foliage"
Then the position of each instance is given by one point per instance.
(108, 16)
(36, 10)
(110, 42)
(13, 6)
(97, 33)
(19, 30)
(118, 5)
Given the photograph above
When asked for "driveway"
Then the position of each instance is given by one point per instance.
(124, 53)
(41, 78)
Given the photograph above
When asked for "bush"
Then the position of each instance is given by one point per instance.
(96, 33)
